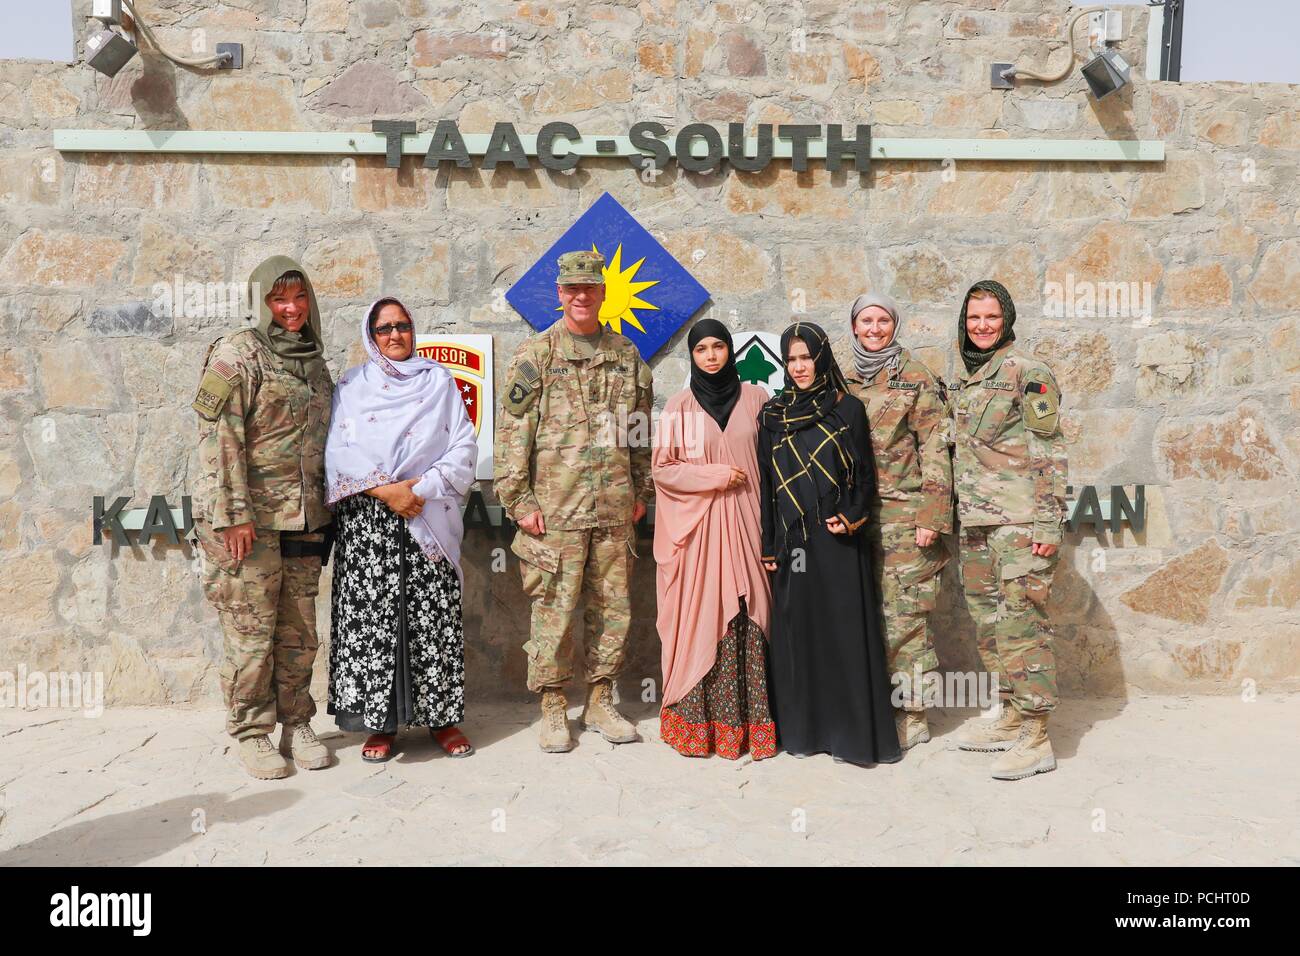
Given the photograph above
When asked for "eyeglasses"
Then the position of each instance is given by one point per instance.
(386, 330)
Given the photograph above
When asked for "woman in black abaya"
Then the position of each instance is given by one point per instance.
(829, 683)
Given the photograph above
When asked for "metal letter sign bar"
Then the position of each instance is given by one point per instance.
(561, 146)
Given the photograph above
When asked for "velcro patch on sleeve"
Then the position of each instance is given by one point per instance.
(521, 394)
(214, 390)
(1041, 405)
(528, 372)
(224, 369)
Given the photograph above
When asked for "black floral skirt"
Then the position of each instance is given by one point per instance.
(397, 645)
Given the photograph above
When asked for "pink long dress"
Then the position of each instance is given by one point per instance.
(707, 538)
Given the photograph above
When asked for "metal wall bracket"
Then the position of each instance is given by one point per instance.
(236, 51)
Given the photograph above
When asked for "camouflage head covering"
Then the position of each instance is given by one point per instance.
(973, 357)
(581, 268)
(302, 352)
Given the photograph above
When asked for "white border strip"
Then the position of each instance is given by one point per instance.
(373, 144)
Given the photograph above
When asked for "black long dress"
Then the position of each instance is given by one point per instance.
(397, 647)
(829, 682)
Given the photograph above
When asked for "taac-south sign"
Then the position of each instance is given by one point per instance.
(647, 146)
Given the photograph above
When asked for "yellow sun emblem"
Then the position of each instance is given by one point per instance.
(621, 292)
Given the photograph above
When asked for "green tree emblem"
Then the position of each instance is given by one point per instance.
(754, 368)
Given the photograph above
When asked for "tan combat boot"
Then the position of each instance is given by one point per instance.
(261, 759)
(553, 731)
(301, 742)
(992, 735)
(912, 728)
(600, 714)
(1031, 754)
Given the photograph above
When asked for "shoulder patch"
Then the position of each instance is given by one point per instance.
(1041, 406)
(214, 390)
(522, 389)
(528, 372)
(220, 377)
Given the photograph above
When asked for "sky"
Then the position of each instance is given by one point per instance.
(1244, 40)
(36, 30)
(1250, 41)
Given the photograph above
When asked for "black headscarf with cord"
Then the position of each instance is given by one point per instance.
(717, 392)
(814, 458)
(974, 358)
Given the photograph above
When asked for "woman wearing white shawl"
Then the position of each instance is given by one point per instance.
(398, 464)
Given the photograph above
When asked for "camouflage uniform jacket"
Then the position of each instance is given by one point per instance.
(909, 440)
(566, 424)
(1009, 461)
(262, 454)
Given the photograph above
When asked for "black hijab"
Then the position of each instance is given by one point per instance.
(717, 392)
(814, 460)
(973, 357)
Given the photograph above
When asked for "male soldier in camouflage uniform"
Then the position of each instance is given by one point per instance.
(566, 474)
(1009, 467)
(264, 405)
(909, 440)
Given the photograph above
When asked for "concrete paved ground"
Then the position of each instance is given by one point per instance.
(1150, 780)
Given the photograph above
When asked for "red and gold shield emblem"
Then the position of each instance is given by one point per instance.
(466, 366)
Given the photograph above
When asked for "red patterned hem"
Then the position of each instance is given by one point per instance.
(700, 740)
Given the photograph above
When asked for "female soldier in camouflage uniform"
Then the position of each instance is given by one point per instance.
(1009, 467)
(264, 407)
(906, 407)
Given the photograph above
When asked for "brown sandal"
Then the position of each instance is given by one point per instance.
(449, 738)
(382, 744)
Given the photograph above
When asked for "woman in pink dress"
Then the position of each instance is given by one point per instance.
(714, 599)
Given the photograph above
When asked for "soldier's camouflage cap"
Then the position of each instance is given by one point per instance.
(581, 268)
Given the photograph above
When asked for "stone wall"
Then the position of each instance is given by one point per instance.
(1198, 401)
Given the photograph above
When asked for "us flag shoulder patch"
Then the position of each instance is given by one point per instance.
(224, 369)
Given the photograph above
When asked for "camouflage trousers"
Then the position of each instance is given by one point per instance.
(267, 605)
(908, 578)
(1006, 592)
(558, 569)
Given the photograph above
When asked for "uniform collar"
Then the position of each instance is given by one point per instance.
(989, 368)
(904, 356)
(569, 348)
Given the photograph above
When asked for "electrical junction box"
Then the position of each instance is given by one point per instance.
(1105, 26)
(110, 11)
(109, 51)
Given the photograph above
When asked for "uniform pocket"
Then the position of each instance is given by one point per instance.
(1026, 578)
(1039, 660)
(927, 593)
(215, 556)
(538, 564)
(993, 415)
